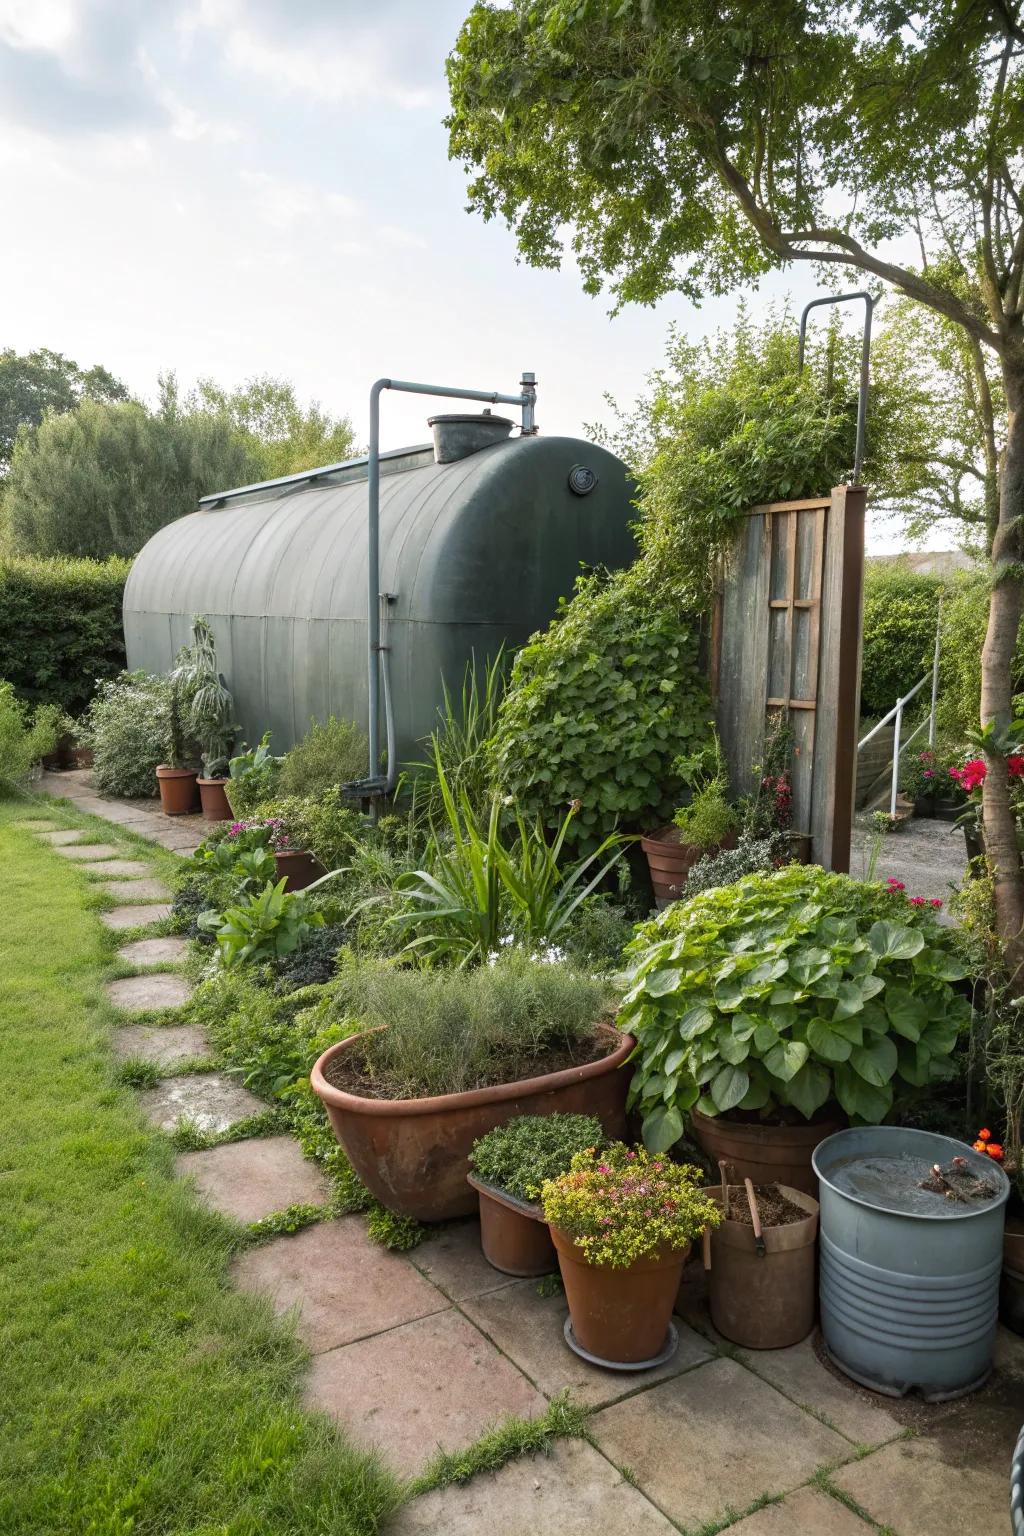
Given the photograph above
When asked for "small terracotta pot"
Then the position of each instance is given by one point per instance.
(670, 861)
(1011, 1288)
(619, 1315)
(513, 1233)
(766, 1154)
(413, 1154)
(764, 1302)
(214, 800)
(299, 869)
(177, 790)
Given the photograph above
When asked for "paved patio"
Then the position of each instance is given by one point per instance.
(181, 834)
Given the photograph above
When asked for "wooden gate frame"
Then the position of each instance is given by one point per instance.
(742, 651)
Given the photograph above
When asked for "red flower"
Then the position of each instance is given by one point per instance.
(894, 884)
(936, 901)
(1015, 764)
(984, 1135)
(995, 1151)
(916, 901)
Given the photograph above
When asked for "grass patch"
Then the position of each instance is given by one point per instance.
(732, 1517)
(140, 1396)
(513, 1437)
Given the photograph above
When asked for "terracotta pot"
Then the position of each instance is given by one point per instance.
(413, 1154)
(177, 790)
(214, 800)
(299, 869)
(767, 1154)
(619, 1315)
(670, 861)
(1011, 1288)
(513, 1233)
(764, 1302)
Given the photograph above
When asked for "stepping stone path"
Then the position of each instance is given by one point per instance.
(248, 1180)
(118, 867)
(136, 890)
(140, 994)
(40, 826)
(135, 917)
(58, 839)
(153, 951)
(84, 851)
(162, 1044)
(209, 1100)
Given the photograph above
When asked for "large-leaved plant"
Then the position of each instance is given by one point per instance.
(792, 988)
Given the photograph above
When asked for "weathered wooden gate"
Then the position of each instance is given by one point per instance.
(786, 636)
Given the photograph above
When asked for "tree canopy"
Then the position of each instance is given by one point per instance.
(282, 436)
(33, 383)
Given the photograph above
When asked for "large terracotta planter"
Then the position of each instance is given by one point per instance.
(766, 1154)
(764, 1301)
(513, 1233)
(620, 1315)
(214, 800)
(299, 869)
(177, 790)
(1011, 1287)
(413, 1154)
(670, 861)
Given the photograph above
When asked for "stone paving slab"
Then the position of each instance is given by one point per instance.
(59, 839)
(84, 851)
(433, 1384)
(153, 951)
(135, 917)
(572, 1492)
(528, 1328)
(161, 989)
(708, 1443)
(210, 1100)
(345, 1286)
(799, 1373)
(180, 833)
(804, 1513)
(248, 1180)
(910, 1487)
(452, 1259)
(123, 867)
(136, 890)
(40, 826)
(163, 1045)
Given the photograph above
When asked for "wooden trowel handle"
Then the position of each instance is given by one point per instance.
(755, 1217)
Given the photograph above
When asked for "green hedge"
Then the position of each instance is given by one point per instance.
(900, 610)
(60, 627)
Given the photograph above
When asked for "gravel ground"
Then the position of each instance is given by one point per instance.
(928, 856)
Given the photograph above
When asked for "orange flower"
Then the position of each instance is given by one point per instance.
(984, 1135)
(995, 1151)
(979, 1146)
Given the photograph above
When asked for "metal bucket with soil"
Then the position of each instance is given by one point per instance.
(762, 1264)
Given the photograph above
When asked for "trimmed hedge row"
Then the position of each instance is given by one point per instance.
(60, 627)
(900, 609)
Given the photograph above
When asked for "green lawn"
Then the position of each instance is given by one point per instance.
(138, 1394)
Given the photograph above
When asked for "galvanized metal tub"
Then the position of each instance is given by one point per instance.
(908, 1300)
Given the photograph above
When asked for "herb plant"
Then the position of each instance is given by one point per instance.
(332, 752)
(708, 819)
(751, 855)
(622, 1205)
(253, 776)
(518, 1157)
(789, 989)
(263, 927)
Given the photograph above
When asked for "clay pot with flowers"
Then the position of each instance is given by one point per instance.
(922, 782)
(295, 864)
(622, 1221)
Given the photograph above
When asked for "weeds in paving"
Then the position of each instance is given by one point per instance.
(136, 1072)
(731, 1516)
(294, 1218)
(825, 1483)
(513, 1437)
(187, 1136)
(391, 1231)
(549, 1285)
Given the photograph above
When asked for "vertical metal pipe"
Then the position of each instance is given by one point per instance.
(935, 675)
(528, 385)
(373, 579)
(896, 758)
(865, 364)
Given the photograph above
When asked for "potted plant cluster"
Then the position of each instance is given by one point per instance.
(922, 782)
(443, 1055)
(176, 779)
(706, 824)
(510, 1165)
(622, 1221)
(767, 1011)
(209, 718)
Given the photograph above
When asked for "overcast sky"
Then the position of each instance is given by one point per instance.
(233, 187)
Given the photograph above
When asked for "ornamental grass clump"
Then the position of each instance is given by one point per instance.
(623, 1205)
(521, 1156)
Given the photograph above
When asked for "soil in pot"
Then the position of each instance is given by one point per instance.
(214, 800)
(621, 1316)
(513, 1233)
(413, 1154)
(670, 861)
(762, 1297)
(299, 869)
(767, 1151)
(177, 790)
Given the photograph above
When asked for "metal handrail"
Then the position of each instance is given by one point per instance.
(897, 708)
(896, 713)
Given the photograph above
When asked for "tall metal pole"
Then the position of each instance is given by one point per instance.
(865, 364)
(935, 674)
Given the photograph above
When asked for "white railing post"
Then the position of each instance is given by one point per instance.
(896, 758)
(935, 675)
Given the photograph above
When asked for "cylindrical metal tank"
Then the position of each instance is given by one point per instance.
(909, 1299)
(475, 552)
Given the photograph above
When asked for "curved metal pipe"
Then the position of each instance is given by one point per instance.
(870, 300)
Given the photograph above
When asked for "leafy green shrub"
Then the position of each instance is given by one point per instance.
(964, 623)
(791, 988)
(313, 963)
(448, 1031)
(128, 727)
(26, 736)
(61, 628)
(266, 926)
(751, 856)
(708, 819)
(324, 825)
(252, 778)
(597, 933)
(597, 711)
(481, 888)
(900, 611)
(519, 1156)
(331, 753)
(620, 1205)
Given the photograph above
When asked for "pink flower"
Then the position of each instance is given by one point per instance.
(936, 901)
(894, 884)
(929, 773)
(916, 901)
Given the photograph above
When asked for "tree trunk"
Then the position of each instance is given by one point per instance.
(1004, 616)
